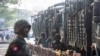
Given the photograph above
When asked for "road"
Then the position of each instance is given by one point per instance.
(3, 48)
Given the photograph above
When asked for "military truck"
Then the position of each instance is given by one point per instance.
(77, 21)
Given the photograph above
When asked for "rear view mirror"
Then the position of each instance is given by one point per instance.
(96, 19)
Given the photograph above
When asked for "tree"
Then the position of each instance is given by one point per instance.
(9, 1)
(9, 14)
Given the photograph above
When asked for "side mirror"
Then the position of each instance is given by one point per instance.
(96, 19)
(96, 9)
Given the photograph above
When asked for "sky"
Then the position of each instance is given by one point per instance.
(37, 5)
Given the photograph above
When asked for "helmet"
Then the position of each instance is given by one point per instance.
(53, 32)
(20, 25)
(42, 34)
(57, 36)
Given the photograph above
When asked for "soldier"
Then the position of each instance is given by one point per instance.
(57, 45)
(51, 38)
(43, 40)
(19, 47)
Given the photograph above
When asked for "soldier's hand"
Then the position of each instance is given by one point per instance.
(30, 46)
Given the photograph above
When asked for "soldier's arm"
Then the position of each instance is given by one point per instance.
(39, 42)
(8, 53)
(14, 49)
(52, 45)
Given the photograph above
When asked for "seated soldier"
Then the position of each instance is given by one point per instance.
(43, 40)
(57, 45)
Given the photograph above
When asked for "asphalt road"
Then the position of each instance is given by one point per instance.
(3, 48)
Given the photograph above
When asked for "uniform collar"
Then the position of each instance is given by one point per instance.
(21, 38)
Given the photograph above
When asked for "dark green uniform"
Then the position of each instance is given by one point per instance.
(57, 44)
(18, 48)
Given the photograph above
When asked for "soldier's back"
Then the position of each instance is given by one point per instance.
(59, 46)
(18, 47)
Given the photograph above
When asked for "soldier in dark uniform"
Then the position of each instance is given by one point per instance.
(19, 47)
(57, 45)
(43, 40)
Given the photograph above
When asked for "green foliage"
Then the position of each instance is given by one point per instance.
(13, 1)
(9, 14)
(9, 1)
